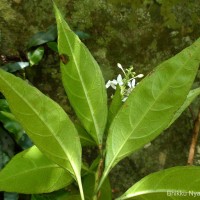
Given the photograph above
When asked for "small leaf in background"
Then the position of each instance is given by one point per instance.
(35, 56)
(53, 46)
(31, 172)
(43, 37)
(4, 105)
(12, 126)
(82, 35)
(10, 196)
(7, 145)
(167, 184)
(13, 67)
(4, 158)
(25, 142)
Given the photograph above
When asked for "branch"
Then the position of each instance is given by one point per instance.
(194, 139)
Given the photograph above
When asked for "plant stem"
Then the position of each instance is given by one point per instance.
(194, 139)
(98, 175)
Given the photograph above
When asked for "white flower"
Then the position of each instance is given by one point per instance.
(114, 82)
(139, 76)
(147, 145)
(120, 80)
(120, 66)
(124, 99)
(132, 83)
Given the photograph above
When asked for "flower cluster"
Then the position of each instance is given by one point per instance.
(126, 84)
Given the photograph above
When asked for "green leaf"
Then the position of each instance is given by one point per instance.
(31, 172)
(36, 55)
(105, 191)
(13, 67)
(53, 46)
(190, 98)
(150, 108)
(88, 185)
(10, 196)
(43, 37)
(85, 138)
(82, 35)
(44, 121)
(175, 183)
(11, 125)
(4, 105)
(115, 105)
(70, 197)
(83, 80)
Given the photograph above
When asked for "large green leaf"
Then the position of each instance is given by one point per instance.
(31, 172)
(190, 98)
(44, 121)
(175, 183)
(83, 80)
(150, 108)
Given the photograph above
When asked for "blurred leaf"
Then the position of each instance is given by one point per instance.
(4, 158)
(7, 145)
(11, 124)
(82, 35)
(43, 37)
(31, 172)
(13, 67)
(25, 142)
(53, 46)
(10, 196)
(4, 105)
(36, 55)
